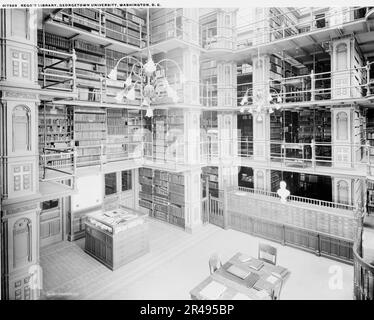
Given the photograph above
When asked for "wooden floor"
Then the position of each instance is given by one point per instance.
(177, 262)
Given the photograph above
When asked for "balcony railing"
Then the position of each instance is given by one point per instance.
(56, 70)
(328, 218)
(214, 95)
(261, 32)
(60, 162)
(310, 155)
(314, 86)
(301, 200)
(213, 38)
(363, 278)
(174, 25)
(104, 24)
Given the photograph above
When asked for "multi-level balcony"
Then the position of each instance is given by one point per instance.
(113, 27)
(174, 28)
(315, 156)
(278, 24)
(315, 88)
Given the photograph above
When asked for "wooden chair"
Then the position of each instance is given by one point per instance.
(267, 253)
(214, 263)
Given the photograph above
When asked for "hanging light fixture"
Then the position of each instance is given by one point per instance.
(261, 102)
(150, 80)
(130, 95)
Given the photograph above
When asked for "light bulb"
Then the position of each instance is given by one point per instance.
(119, 96)
(149, 112)
(277, 106)
(150, 66)
(145, 102)
(271, 110)
(242, 110)
(131, 94)
(244, 100)
(259, 118)
(128, 81)
(113, 74)
(279, 99)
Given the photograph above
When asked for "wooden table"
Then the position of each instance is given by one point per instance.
(237, 288)
(117, 237)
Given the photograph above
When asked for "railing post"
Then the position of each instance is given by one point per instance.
(367, 78)
(313, 154)
(318, 249)
(74, 58)
(225, 212)
(312, 86)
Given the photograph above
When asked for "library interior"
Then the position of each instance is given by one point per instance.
(187, 153)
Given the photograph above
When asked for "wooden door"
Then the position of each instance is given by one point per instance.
(51, 226)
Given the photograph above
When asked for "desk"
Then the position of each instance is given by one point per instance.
(237, 288)
(116, 237)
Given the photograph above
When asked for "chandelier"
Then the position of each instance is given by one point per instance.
(260, 102)
(150, 79)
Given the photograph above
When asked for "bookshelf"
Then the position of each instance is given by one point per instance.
(208, 76)
(55, 132)
(244, 79)
(209, 27)
(90, 134)
(112, 23)
(165, 24)
(90, 69)
(211, 174)
(370, 130)
(117, 134)
(52, 63)
(55, 127)
(162, 195)
(124, 135)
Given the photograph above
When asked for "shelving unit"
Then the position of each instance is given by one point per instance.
(208, 76)
(112, 23)
(54, 62)
(90, 134)
(165, 24)
(211, 173)
(90, 70)
(209, 25)
(55, 132)
(370, 130)
(162, 194)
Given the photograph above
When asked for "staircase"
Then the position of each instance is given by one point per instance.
(368, 239)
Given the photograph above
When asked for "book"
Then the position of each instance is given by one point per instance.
(255, 264)
(213, 290)
(244, 258)
(239, 272)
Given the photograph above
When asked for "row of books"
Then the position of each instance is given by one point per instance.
(126, 15)
(90, 57)
(93, 14)
(90, 126)
(89, 117)
(87, 46)
(90, 135)
(55, 138)
(88, 151)
(53, 40)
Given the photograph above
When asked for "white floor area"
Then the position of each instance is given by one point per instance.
(178, 261)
